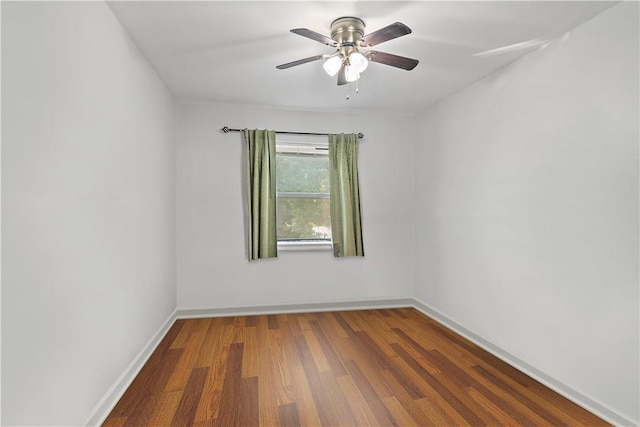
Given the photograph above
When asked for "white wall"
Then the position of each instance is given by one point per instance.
(88, 247)
(213, 270)
(527, 209)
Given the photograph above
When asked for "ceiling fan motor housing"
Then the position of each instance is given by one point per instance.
(347, 29)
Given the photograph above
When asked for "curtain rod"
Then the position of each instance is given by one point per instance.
(227, 130)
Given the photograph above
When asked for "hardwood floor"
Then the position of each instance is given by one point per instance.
(367, 368)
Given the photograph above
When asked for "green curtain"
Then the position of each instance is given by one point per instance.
(260, 165)
(346, 229)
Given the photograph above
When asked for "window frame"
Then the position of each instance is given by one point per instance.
(303, 146)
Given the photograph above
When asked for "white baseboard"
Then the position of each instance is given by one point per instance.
(590, 404)
(103, 408)
(304, 307)
(115, 392)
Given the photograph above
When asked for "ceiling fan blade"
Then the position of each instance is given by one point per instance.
(393, 60)
(512, 47)
(299, 62)
(342, 76)
(304, 32)
(389, 32)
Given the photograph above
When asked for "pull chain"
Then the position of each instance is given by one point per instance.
(349, 88)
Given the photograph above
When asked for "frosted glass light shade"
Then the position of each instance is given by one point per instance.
(332, 65)
(357, 60)
(351, 73)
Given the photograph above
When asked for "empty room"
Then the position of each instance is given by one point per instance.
(320, 213)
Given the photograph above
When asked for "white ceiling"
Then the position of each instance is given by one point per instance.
(228, 50)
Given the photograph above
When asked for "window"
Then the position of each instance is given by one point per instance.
(302, 194)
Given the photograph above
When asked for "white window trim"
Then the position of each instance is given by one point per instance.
(305, 245)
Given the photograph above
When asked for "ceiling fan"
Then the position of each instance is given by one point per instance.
(347, 37)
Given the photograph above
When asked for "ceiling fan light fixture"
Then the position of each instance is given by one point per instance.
(332, 65)
(359, 61)
(351, 72)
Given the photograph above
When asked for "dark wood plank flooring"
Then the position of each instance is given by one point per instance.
(392, 367)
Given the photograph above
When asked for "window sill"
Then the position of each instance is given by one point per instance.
(305, 246)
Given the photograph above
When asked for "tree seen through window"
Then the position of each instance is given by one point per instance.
(302, 184)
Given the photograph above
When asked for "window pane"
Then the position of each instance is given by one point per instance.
(302, 218)
(302, 174)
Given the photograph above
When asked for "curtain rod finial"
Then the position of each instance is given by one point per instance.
(225, 129)
(360, 135)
